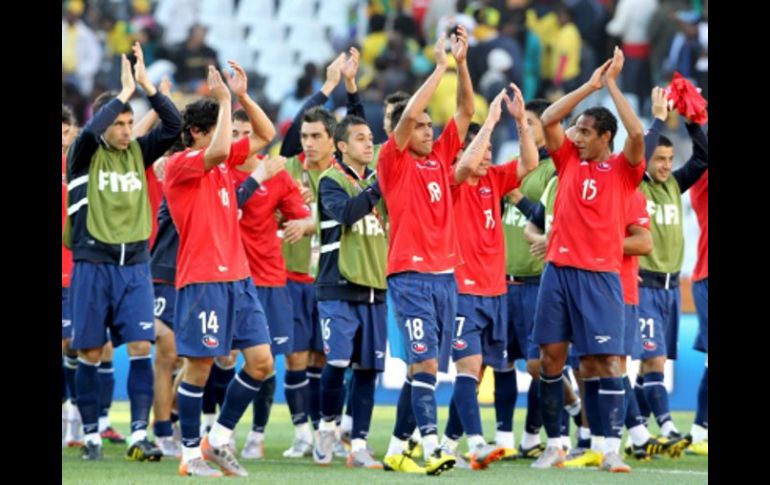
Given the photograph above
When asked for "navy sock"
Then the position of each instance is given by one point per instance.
(467, 403)
(240, 393)
(641, 400)
(633, 416)
(612, 406)
(534, 419)
(405, 422)
(702, 411)
(140, 391)
(222, 379)
(657, 396)
(362, 402)
(162, 429)
(552, 403)
(209, 403)
(347, 391)
(454, 425)
(189, 398)
(332, 391)
(87, 381)
(424, 402)
(174, 416)
(593, 414)
(263, 403)
(506, 394)
(296, 391)
(349, 394)
(314, 395)
(106, 387)
(70, 367)
(565, 420)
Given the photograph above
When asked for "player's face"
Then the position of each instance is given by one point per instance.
(590, 145)
(360, 145)
(659, 166)
(316, 142)
(66, 128)
(421, 141)
(118, 134)
(241, 129)
(535, 128)
(386, 118)
(486, 162)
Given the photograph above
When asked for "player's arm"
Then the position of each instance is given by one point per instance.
(659, 108)
(219, 148)
(538, 241)
(552, 116)
(634, 146)
(338, 205)
(349, 70)
(143, 126)
(473, 155)
(698, 162)
(639, 242)
(266, 169)
(465, 105)
(529, 155)
(419, 100)
(262, 129)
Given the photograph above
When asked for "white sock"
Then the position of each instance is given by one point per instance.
(429, 445)
(347, 423)
(416, 436)
(303, 431)
(74, 413)
(191, 453)
(555, 442)
(584, 433)
(396, 446)
(597, 443)
(530, 440)
(612, 445)
(256, 436)
(138, 435)
(667, 427)
(505, 439)
(449, 443)
(104, 423)
(699, 433)
(327, 426)
(93, 438)
(219, 436)
(639, 435)
(475, 441)
(357, 444)
(566, 442)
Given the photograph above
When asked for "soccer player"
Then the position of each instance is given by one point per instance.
(108, 226)
(414, 174)
(580, 298)
(659, 296)
(217, 307)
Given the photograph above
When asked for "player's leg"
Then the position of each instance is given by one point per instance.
(106, 393)
(699, 430)
(165, 362)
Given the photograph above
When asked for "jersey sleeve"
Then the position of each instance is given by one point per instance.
(185, 168)
(632, 176)
(239, 152)
(446, 147)
(637, 211)
(506, 175)
(566, 152)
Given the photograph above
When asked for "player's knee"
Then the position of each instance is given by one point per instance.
(469, 365)
(588, 367)
(135, 349)
(90, 355)
(551, 362)
(196, 371)
(316, 359)
(430, 366)
(609, 365)
(259, 364)
(533, 368)
(108, 350)
(297, 361)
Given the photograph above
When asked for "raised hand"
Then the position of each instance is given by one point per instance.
(516, 105)
(140, 72)
(597, 78)
(334, 70)
(439, 51)
(128, 86)
(613, 71)
(238, 82)
(217, 87)
(496, 106)
(350, 66)
(459, 43)
(165, 86)
(659, 103)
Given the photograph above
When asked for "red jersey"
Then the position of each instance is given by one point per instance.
(482, 242)
(590, 209)
(629, 272)
(155, 194)
(699, 197)
(205, 211)
(66, 254)
(259, 227)
(422, 228)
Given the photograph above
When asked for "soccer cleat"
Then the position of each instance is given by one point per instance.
(612, 462)
(460, 462)
(531, 453)
(413, 448)
(438, 462)
(701, 448)
(362, 459)
(402, 463)
(552, 456)
(323, 450)
(346, 437)
(582, 460)
(169, 447)
(483, 455)
(510, 454)
(298, 449)
(253, 449)
(645, 451)
(676, 444)
(112, 435)
(91, 452)
(144, 450)
(339, 450)
(223, 457)
(197, 467)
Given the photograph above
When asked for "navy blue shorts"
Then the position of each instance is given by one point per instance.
(66, 314)
(355, 332)
(521, 300)
(165, 301)
(425, 305)
(700, 293)
(633, 338)
(111, 297)
(583, 307)
(659, 320)
(213, 318)
(307, 327)
(280, 317)
(480, 329)
(396, 343)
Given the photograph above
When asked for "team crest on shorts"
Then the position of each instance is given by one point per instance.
(419, 347)
(459, 344)
(326, 349)
(649, 345)
(210, 341)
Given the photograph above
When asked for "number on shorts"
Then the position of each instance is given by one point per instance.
(326, 330)
(460, 323)
(160, 305)
(649, 322)
(211, 322)
(414, 326)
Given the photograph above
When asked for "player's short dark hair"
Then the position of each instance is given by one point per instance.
(473, 130)
(202, 115)
(67, 116)
(537, 106)
(240, 115)
(342, 129)
(319, 114)
(664, 141)
(604, 121)
(398, 111)
(397, 97)
(105, 98)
